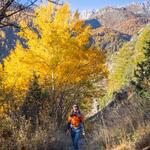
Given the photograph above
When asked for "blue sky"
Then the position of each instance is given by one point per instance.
(95, 4)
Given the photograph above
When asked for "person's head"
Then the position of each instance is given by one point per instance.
(75, 108)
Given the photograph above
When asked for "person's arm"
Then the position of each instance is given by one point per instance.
(81, 117)
(82, 122)
(83, 129)
(68, 124)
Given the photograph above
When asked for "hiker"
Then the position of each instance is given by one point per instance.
(75, 125)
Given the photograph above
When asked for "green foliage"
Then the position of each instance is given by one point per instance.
(122, 68)
(127, 60)
(141, 45)
(142, 74)
(34, 101)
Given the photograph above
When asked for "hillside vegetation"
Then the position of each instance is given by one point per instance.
(56, 59)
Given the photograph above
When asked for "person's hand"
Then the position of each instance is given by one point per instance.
(67, 132)
(83, 133)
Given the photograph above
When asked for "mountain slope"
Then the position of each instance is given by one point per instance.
(125, 115)
(140, 8)
(128, 19)
(109, 40)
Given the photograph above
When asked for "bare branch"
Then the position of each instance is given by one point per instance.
(2, 25)
(8, 10)
(8, 3)
(21, 9)
(56, 2)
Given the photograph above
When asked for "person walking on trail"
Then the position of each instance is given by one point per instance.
(75, 125)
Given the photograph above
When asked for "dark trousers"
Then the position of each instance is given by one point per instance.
(75, 135)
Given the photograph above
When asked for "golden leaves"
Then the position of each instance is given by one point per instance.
(56, 51)
(141, 44)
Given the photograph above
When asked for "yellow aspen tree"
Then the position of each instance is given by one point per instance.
(141, 44)
(56, 49)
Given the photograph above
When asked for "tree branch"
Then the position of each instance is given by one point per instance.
(5, 9)
(56, 2)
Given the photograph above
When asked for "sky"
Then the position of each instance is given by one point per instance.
(96, 4)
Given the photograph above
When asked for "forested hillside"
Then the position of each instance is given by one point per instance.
(124, 117)
(52, 58)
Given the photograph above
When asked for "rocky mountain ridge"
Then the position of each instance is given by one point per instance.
(136, 8)
(128, 20)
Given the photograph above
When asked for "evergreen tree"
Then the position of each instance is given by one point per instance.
(34, 101)
(142, 74)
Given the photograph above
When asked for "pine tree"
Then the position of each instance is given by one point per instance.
(34, 101)
(142, 74)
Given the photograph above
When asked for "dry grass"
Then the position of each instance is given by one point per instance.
(20, 135)
(122, 126)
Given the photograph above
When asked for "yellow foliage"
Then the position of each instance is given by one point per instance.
(125, 61)
(16, 74)
(56, 51)
(141, 45)
(122, 69)
(2, 34)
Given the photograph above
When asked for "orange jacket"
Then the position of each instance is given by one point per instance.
(75, 120)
